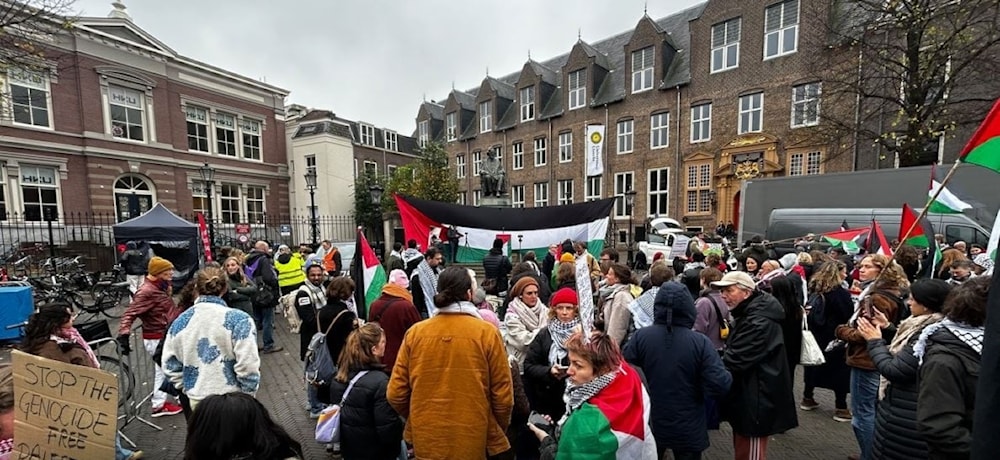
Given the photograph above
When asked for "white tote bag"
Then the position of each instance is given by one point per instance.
(812, 354)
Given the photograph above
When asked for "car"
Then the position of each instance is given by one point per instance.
(346, 249)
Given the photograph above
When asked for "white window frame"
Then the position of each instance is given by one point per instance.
(451, 126)
(752, 107)
(462, 198)
(196, 117)
(477, 197)
(701, 123)
(540, 148)
(517, 155)
(782, 28)
(564, 187)
(624, 181)
(31, 81)
(593, 188)
(4, 195)
(726, 40)
(477, 163)
(577, 89)
(366, 134)
(423, 132)
(643, 63)
(38, 181)
(460, 166)
(625, 133)
(566, 147)
(371, 167)
(256, 206)
(485, 117)
(657, 196)
(391, 140)
(541, 194)
(227, 216)
(250, 130)
(115, 93)
(517, 196)
(223, 123)
(805, 104)
(199, 197)
(390, 170)
(659, 130)
(805, 163)
(527, 100)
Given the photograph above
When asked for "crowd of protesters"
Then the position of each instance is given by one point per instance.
(573, 357)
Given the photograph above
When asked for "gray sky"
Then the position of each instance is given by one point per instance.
(373, 60)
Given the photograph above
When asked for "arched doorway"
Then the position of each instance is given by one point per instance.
(133, 196)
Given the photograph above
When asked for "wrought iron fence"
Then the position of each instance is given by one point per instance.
(31, 240)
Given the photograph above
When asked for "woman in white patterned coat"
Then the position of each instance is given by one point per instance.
(526, 315)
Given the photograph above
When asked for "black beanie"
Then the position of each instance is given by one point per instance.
(930, 293)
(497, 243)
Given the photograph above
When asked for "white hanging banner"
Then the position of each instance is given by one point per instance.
(595, 150)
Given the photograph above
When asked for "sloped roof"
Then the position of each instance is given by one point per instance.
(600, 58)
(502, 89)
(509, 119)
(310, 129)
(435, 110)
(548, 75)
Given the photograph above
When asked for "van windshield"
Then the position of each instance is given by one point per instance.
(970, 235)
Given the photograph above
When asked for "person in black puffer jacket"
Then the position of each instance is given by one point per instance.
(896, 435)
(370, 427)
(496, 266)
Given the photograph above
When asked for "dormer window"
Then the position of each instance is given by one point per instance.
(528, 103)
(451, 123)
(485, 117)
(390, 140)
(367, 134)
(577, 89)
(423, 132)
(642, 69)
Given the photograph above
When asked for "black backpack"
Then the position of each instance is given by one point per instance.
(265, 297)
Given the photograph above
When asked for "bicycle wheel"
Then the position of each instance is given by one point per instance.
(112, 303)
(126, 381)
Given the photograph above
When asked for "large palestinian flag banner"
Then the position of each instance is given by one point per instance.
(479, 226)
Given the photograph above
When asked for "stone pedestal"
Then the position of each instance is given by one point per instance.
(495, 202)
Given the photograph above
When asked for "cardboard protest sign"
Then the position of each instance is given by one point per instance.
(63, 411)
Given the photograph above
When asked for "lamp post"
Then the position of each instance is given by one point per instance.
(630, 202)
(208, 177)
(311, 186)
(375, 190)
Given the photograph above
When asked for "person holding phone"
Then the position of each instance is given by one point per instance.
(547, 360)
(884, 285)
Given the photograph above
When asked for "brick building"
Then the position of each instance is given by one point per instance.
(693, 105)
(339, 150)
(113, 120)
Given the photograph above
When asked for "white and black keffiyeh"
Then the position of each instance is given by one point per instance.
(576, 395)
(971, 336)
(560, 333)
(428, 278)
(642, 308)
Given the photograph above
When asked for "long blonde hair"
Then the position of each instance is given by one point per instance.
(891, 275)
(357, 352)
(827, 278)
(243, 275)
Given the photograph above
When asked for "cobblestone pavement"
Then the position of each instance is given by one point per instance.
(817, 437)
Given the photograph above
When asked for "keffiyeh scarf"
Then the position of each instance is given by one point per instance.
(642, 308)
(316, 294)
(907, 329)
(428, 278)
(971, 336)
(576, 395)
(560, 333)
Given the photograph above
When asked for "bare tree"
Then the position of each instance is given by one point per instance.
(908, 72)
(28, 28)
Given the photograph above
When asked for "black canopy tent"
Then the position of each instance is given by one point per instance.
(167, 236)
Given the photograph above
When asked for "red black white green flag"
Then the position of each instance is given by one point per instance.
(983, 148)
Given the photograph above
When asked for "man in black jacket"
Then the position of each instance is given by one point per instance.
(134, 261)
(423, 282)
(760, 401)
(549, 262)
(260, 268)
(496, 266)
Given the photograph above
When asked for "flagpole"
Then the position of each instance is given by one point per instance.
(931, 200)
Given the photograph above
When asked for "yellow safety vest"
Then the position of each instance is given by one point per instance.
(290, 274)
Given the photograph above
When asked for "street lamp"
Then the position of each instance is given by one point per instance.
(311, 186)
(208, 177)
(375, 191)
(630, 202)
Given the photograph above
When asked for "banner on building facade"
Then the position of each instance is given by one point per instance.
(595, 150)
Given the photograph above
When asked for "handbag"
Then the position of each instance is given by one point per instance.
(812, 354)
(723, 322)
(328, 424)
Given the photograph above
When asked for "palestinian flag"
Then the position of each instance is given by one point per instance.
(622, 430)
(846, 238)
(983, 148)
(876, 243)
(368, 273)
(921, 236)
(991, 248)
(522, 229)
(945, 202)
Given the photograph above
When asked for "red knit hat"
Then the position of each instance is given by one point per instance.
(564, 295)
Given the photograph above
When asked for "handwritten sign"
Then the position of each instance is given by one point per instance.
(63, 411)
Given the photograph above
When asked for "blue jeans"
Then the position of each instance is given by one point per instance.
(121, 453)
(265, 320)
(864, 396)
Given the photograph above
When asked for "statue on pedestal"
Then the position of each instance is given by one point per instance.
(492, 176)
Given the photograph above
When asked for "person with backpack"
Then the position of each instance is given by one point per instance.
(259, 268)
(336, 321)
(713, 314)
(496, 267)
(618, 295)
(829, 306)
(308, 301)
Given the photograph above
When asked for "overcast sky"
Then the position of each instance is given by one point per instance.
(372, 60)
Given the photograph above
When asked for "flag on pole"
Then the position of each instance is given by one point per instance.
(991, 248)
(946, 202)
(368, 273)
(983, 148)
(876, 243)
(848, 239)
(922, 236)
